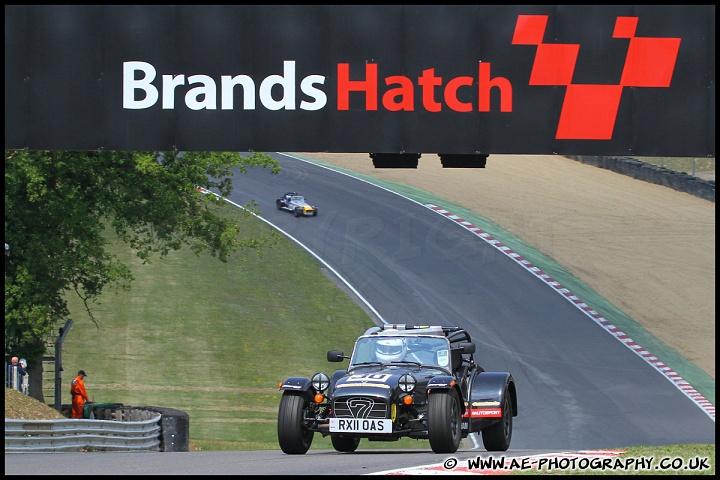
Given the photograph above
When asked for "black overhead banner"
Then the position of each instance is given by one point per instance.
(488, 79)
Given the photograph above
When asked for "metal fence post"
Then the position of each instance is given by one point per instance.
(58, 363)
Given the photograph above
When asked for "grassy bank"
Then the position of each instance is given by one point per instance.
(214, 339)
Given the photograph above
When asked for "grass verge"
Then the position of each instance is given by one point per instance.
(214, 339)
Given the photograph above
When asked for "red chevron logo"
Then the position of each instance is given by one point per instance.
(589, 111)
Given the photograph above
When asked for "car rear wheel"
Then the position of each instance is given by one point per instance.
(345, 444)
(444, 423)
(293, 437)
(278, 204)
(496, 438)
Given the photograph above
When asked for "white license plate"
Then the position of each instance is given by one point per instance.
(360, 425)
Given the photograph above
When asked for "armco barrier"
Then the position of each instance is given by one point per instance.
(115, 427)
(631, 167)
(76, 434)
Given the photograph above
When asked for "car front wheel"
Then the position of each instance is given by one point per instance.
(444, 423)
(293, 437)
(496, 438)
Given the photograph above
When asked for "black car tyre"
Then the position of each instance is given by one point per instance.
(296, 212)
(278, 204)
(345, 444)
(496, 438)
(444, 423)
(293, 437)
(315, 213)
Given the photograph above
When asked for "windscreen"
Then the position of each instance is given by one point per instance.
(433, 351)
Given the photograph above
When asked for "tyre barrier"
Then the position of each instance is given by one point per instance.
(680, 181)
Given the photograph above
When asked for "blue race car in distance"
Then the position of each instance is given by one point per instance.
(296, 203)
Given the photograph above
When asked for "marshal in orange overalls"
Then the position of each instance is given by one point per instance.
(79, 395)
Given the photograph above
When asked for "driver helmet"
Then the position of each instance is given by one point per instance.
(390, 349)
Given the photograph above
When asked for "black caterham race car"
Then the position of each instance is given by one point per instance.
(401, 381)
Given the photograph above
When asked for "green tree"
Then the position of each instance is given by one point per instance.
(62, 207)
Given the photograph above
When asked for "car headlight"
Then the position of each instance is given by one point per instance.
(320, 381)
(407, 383)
